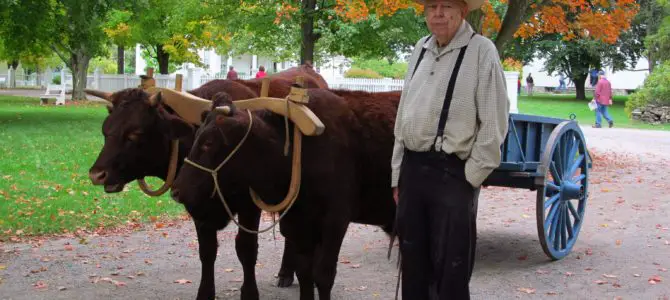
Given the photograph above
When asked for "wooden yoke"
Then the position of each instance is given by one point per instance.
(292, 107)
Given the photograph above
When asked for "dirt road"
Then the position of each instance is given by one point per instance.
(623, 248)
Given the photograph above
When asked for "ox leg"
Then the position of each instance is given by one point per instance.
(207, 248)
(287, 265)
(304, 267)
(327, 253)
(246, 247)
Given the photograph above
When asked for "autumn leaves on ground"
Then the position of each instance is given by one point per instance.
(44, 188)
(130, 246)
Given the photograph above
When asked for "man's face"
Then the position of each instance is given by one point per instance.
(444, 16)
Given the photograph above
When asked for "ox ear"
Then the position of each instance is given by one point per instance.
(155, 99)
(177, 127)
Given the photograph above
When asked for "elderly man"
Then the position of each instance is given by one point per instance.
(451, 122)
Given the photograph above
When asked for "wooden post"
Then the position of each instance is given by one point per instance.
(150, 72)
(178, 82)
(265, 87)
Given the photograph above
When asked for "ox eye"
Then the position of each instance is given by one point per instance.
(135, 135)
(206, 146)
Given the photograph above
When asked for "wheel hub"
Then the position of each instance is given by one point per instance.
(571, 191)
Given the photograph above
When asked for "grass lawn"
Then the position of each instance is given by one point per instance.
(44, 185)
(561, 106)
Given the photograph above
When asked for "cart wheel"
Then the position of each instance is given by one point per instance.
(562, 188)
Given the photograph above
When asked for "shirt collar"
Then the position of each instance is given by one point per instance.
(460, 40)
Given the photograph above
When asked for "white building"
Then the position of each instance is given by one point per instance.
(247, 65)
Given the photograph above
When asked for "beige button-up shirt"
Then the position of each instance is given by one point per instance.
(478, 116)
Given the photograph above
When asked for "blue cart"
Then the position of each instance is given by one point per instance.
(548, 155)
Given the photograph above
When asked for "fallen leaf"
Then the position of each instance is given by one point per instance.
(600, 282)
(130, 277)
(523, 257)
(345, 261)
(147, 261)
(636, 275)
(62, 288)
(616, 285)
(618, 242)
(526, 290)
(355, 266)
(609, 276)
(654, 279)
(228, 270)
(362, 288)
(118, 283)
(40, 285)
(139, 274)
(69, 248)
(2, 267)
(589, 251)
(182, 281)
(588, 269)
(541, 272)
(663, 269)
(568, 274)
(604, 225)
(159, 225)
(552, 293)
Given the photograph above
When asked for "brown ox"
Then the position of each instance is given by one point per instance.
(137, 144)
(346, 172)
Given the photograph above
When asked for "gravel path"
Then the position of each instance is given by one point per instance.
(623, 248)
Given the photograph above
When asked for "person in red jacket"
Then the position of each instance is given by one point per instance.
(232, 75)
(261, 72)
(603, 97)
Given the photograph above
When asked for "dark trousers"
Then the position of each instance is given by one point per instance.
(436, 227)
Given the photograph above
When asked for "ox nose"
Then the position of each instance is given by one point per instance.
(175, 194)
(97, 176)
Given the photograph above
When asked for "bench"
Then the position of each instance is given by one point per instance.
(56, 91)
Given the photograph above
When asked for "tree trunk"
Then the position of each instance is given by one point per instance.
(163, 60)
(79, 66)
(516, 14)
(308, 37)
(120, 62)
(476, 19)
(580, 83)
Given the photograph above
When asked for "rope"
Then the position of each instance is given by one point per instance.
(217, 188)
(172, 172)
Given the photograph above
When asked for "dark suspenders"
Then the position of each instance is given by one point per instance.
(444, 114)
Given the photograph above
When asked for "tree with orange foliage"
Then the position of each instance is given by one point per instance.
(574, 36)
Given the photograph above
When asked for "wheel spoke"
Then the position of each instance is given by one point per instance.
(571, 232)
(573, 150)
(576, 165)
(554, 173)
(567, 149)
(574, 212)
(552, 200)
(579, 178)
(558, 160)
(550, 216)
(564, 228)
(558, 229)
(552, 187)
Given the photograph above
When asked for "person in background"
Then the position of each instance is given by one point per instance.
(603, 96)
(518, 86)
(261, 72)
(232, 75)
(530, 83)
(561, 83)
(445, 148)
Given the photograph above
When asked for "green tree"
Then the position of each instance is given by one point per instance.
(73, 29)
(655, 22)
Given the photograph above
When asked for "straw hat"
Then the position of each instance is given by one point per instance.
(472, 4)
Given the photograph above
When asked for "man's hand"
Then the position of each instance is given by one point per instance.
(395, 195)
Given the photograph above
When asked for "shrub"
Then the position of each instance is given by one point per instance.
(56, 79)
(362, 73)
(656, 89)
(382, 67)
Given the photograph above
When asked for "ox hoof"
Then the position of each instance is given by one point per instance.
(249, 294)
(285, 281)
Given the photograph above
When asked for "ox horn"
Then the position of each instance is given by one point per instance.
(189, 107)
(104, 95)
